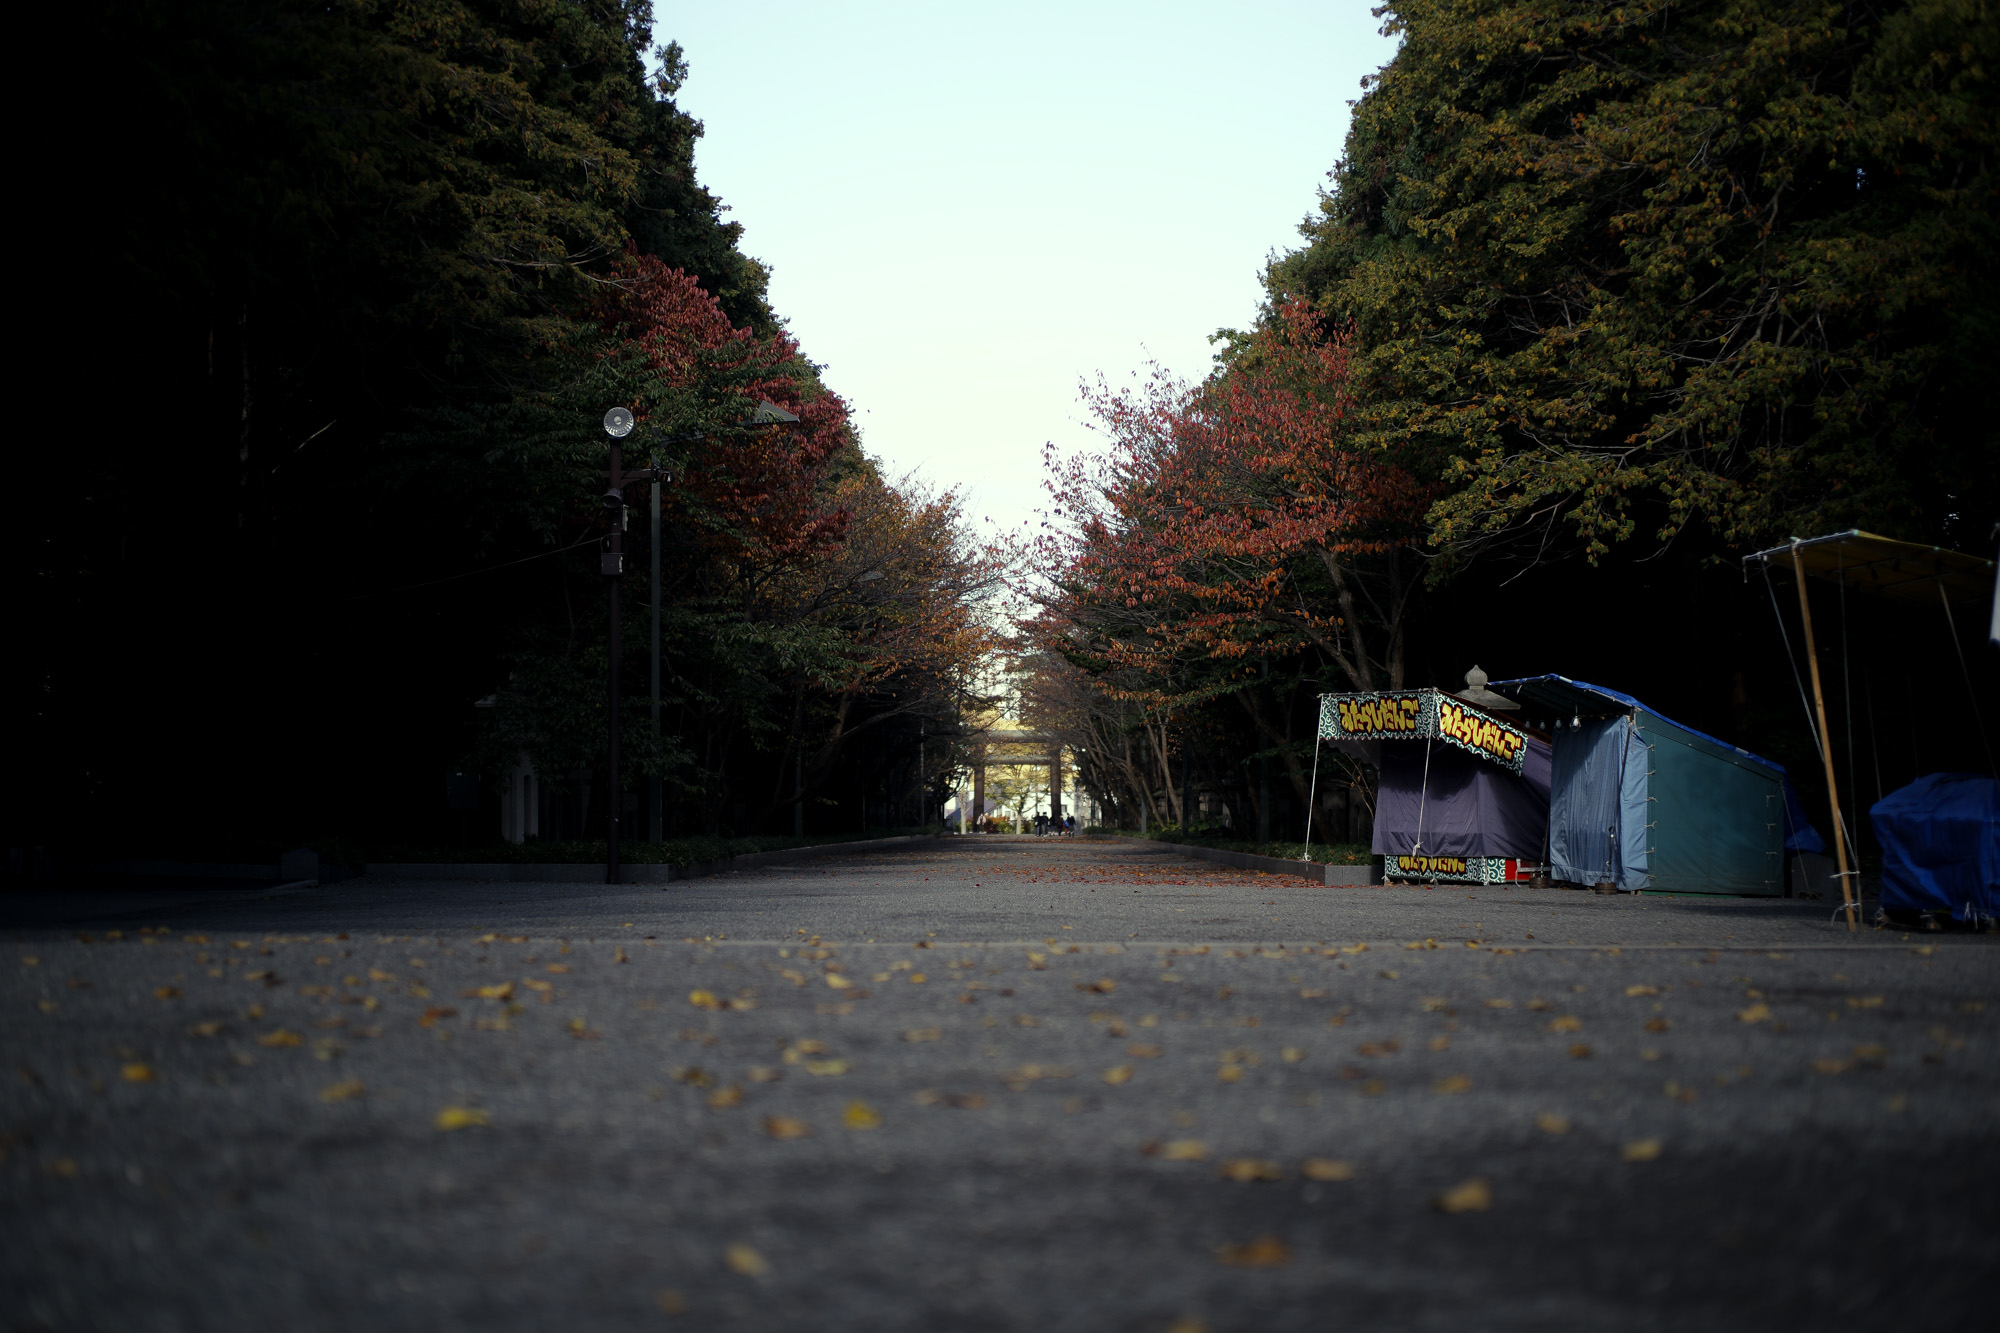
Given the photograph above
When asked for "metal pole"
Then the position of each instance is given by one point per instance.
(1847, 895)
(614, 566)
(653, 829)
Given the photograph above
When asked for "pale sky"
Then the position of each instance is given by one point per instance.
(970, 210)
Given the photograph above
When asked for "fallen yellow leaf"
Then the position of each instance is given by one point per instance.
(1641, 1150)
(1658, 1025)
(703, 999)
(1451, 1083)
(1140, 1050)
(204, 1029)
(1291, 1055)
(136, 1073)
(461, 1117)
(723, 1098)
(1636, 991)
(1229, 1074)
(1756, 1013)
(1118, 1074)
(1325, 1168)
(923, 1034)
(1833, 1066)
(166, 992)
(1579, 1052)
(1264, 1252)
(1468, 1196)
(1567, 1023)
(1184, 1150)
(1246, 1169)
(916, 979)
(785, 1127)
(837, 981)
(827, 1068)
(860, 1115)
(671, 1302)
(281, 1037)
(742, 1259)
(344, 1091)
(1551, 1123)
(1499, 1004)
(377, 974)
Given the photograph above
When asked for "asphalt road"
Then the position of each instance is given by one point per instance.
(990, 1084)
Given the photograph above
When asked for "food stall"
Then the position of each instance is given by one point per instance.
(1463, 794)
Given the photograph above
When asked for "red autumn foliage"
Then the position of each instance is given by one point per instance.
(1239, 517)
(766, 494)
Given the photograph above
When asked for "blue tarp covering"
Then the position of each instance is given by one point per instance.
(1800, 835)
(1940, 841)
(1642, 801)
(1597, 805)
(1467, 807)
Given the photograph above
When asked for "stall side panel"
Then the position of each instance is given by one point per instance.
(1718, 821)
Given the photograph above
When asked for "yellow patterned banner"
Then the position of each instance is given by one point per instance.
(1403, 715)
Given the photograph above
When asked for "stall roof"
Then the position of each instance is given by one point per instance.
(1560, 694)
(1868, 563)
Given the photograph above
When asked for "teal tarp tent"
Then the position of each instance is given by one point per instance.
(1643, 802)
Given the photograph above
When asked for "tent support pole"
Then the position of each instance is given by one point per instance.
(1847, 895)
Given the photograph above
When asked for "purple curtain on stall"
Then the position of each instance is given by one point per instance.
(1471, 807)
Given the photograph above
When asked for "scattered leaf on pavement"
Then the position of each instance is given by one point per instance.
(742, 1259)
(1451, 1083)
(1641, 1150)
(1756, 1013)
(1551, 1123)
(860, 1115)
(1325, 1168)
(1263, 1252)
(462, 1117)
(785, 1127)
(1246, 1169)
(136, 1073)
(345, 1091)
(1468, 1196)
(281, 1037)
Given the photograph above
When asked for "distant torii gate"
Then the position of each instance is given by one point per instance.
(1054, 760)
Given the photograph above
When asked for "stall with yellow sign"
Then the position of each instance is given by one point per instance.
(1464, 793)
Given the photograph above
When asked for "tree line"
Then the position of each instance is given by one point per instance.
(363, 281)
(1596, 301)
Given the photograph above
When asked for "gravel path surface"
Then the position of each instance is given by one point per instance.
(990, 1084)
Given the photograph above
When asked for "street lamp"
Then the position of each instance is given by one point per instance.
(618, 423)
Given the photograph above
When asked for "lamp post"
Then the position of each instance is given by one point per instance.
(618, 423)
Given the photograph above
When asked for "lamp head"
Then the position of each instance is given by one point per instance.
(613, 499)
(618, 423)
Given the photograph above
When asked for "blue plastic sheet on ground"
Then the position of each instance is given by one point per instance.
(1940, 841)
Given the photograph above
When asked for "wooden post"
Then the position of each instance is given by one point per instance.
(1848, 897)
